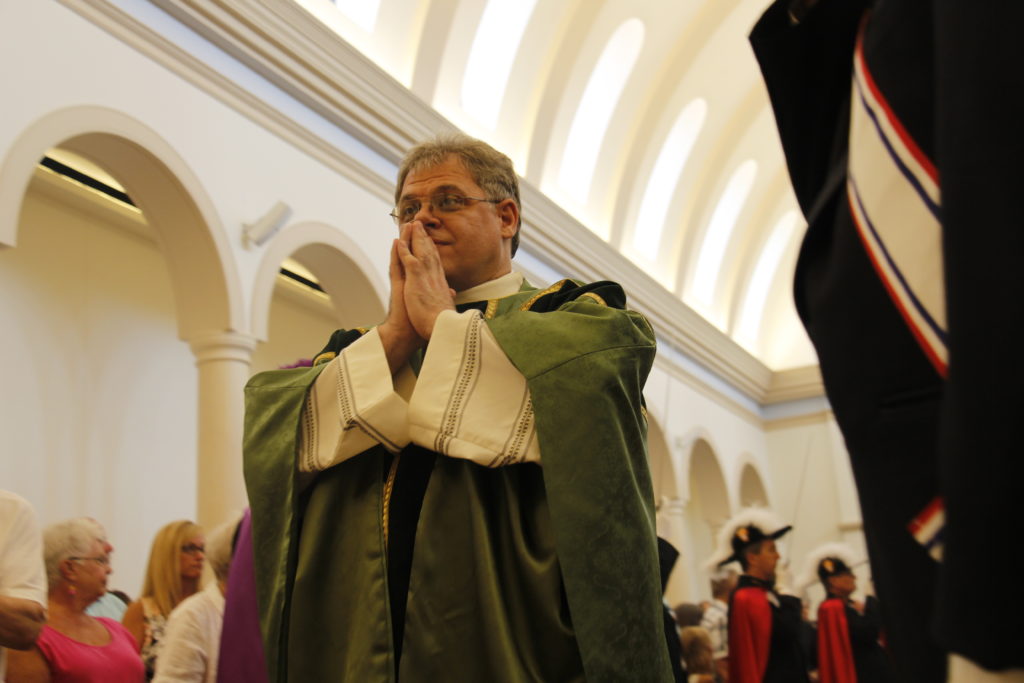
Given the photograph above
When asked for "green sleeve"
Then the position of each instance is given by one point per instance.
(273, 406)
(586, 364)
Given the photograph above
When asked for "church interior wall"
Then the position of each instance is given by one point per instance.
(99, 393)
(815, 489)
(100, 398)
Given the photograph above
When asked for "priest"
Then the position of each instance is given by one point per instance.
(461, 492)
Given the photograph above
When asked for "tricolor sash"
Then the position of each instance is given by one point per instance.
(894, 195)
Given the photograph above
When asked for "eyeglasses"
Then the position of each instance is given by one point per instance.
(193, 549)
(101, 559)
(442, 202)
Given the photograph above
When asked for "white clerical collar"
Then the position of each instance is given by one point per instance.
(503, 286)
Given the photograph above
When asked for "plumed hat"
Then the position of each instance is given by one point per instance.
(831, 559)
(746, 528)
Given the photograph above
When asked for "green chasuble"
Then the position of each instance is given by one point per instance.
(525, 572)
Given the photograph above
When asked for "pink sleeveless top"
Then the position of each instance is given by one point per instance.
(73, 662)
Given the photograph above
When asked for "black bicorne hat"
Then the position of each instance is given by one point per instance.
(832, 566)
(748, 535)
(746, 528)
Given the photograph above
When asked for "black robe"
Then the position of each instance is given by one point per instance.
(952, 72)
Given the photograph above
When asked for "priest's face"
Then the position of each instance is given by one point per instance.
(472, 235)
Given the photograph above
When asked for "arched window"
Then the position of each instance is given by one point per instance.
(716, 237)
(595, 109)
(654, 209)
(495, 47)
(752, 313)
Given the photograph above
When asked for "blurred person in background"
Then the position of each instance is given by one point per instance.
(698, 655)
(716, 618)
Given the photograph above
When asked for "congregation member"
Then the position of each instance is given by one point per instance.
(191, 642)
(698, 654)
(462, 492)
(716, 618)
(74, 647)
(848, 644)
(899, 121)
(173, 573)
(764, 625)
(22, 576)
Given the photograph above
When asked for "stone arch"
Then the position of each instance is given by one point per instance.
(707, 507)
(207, 292)
(357, 293)
(752, 489)
(709, 494)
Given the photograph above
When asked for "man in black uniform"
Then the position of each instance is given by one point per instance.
(899, 120)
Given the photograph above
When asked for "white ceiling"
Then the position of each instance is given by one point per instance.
(594, 144)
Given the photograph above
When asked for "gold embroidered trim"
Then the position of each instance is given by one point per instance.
(643, 414)
(492, 308)
(324, 357)
(595, 297)
(553, 288)
(389, 486)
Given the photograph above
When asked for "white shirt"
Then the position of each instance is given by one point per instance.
(716, 623)
(191, 642)
(22, 574)
(468, 401)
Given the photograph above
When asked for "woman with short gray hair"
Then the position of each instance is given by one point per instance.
(74, 645)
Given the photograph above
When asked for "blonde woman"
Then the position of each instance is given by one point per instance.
(173, 574)
(191, 643)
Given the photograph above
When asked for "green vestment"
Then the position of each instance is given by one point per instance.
(519, 573)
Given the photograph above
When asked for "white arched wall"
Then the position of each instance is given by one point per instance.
(707, 507)
(357, 292)
(206, 290)
(751, 487)
(99, 400)
(206, 286)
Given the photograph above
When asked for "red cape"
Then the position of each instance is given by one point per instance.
(750, 634)
(835, 653)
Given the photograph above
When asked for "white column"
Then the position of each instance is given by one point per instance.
(223, 361)
(672, 527)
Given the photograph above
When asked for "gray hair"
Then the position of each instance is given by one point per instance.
(70, 538)
(489, 168)
(722, 582)
(218, 547)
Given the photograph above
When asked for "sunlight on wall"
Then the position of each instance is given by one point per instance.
(490, 60)
(362, 12)
(752, 313)
(716, 237)
(650, 223)
(359, 23)
(595, 109)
